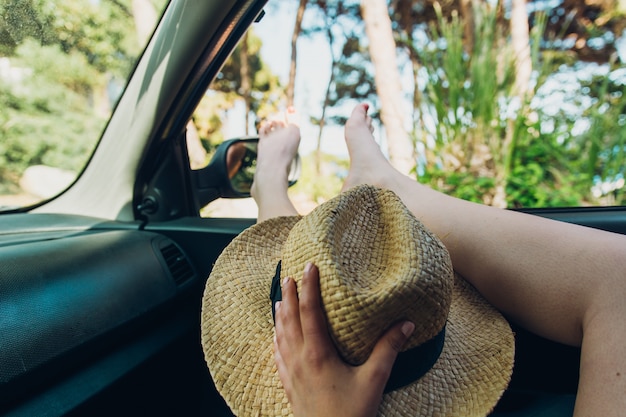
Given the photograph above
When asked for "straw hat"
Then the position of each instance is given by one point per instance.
(378, 265)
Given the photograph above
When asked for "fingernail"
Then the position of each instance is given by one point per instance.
(277, 305)
(308, 267)
(407, 328)
(285, 281)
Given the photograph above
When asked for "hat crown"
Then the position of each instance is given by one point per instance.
(378, 265)
(471, 370)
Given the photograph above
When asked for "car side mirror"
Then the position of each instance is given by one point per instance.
(231, 171)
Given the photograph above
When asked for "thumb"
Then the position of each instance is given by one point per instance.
(386, 350)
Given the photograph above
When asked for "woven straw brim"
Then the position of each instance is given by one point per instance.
(237, 333)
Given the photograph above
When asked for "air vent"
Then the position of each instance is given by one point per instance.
(177, 263)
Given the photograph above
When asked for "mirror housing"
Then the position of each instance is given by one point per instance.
(231, 171)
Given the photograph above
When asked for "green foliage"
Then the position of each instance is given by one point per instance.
(46, 117)
(460, 184)
(604, 141)
(465, 97)
(319, 187)
(59, 58)
(544, 172)
(586, 133)
(51, 66)
(488, 146)
(102, 30)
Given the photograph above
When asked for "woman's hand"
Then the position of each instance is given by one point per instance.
(316, 380)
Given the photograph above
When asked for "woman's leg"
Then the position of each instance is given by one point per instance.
(278, 145)
(559, 280)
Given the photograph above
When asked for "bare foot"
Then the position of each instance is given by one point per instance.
(279, 139)
(368, 165)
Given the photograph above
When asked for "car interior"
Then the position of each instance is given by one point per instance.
(101, 285)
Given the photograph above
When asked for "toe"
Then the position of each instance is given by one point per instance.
(359, 112)
(292, 117)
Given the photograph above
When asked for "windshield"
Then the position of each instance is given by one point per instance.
(63, 66)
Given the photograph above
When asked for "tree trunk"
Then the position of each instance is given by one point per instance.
(145, 17)
(297, 28)
(467, 14)
(382, 49)
(322, 120)
(418, 119)
(246, 82)
(520, 40)
(195, 150)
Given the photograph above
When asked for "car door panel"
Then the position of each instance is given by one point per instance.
(76, 295)
(612, 219)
